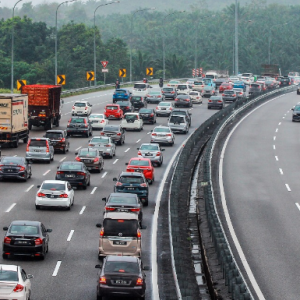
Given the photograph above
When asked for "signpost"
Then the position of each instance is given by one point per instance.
(104, 63)
(90, 75)
(20, 83)
(61, 79)
(149, 71)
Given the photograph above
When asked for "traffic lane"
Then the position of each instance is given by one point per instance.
(261, 209)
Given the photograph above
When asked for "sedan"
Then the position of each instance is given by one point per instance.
(12, 167)
(155, 96)
(59, 140)
(144, 165)
(148, 115)
(215, 102)
(98, 121)
(169, 92)
(296, 113)
(229, 96)
(164, 108)
(14, 283)
(29, 238)
(239, 93)
(173, 83)
(121, 276)
(104, 144)
(225, 86)
(92, 158)
(152, 151)
(162, 135)
(126, 106)
(196, 97)
(113, 111)
(208, 91)
(54, 193)
(115, 132)
(75, 172)
(183, 100)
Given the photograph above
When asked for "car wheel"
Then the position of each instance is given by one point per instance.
(26, 177)
(99, 170)
(84, 187)
(37, 207)
(64, 150)
(69, 207)
(51, 159)
(48, 161)
(99, 297)
(89, 183)
(146, 202)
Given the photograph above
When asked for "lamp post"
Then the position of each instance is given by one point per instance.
(56, 37)
(12, 47)
(236, 39)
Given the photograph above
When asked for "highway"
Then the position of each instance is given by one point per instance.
(68, 271)
(261, 183)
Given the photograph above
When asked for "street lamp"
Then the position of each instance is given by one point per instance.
(131, 26)
(12, 47)
(95, 59)
(236, 39)
(56, 37)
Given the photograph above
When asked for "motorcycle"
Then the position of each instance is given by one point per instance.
(161, 84)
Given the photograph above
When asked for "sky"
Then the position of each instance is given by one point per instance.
(11, 3)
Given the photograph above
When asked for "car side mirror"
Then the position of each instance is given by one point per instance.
(5, 228)
(104, 199)
(98, 266)
(91, 105)
(162, 149)
(143, 227)
(126, 164)
(292, 109)
(146, 268)
(115, 179)
(151, 130)
(38, 186)
(137, 148)
(29, 276)
(98, 225)
(57, 167)
(49, 230)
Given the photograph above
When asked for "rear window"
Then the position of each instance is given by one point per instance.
(149, 147)
(127, 228)
(131, 117)
(78, 104)
(145, 111)
(37, 143)
(23, 229)
(178, 112)
(210, 76)
(177, 119)
(136, 162)
(193, 93)
(131, 179)
(96, 116)
(86, 152)
(111, 128)
(198, 83)
(139, 86)
(229, 92)
(161, 130)
(99, 140)
(12, 160)
(167, 89)
(121, 267)
(54, 135)
(112, 107)
(122, 200)
(70, 167)
(53, 186)
(123, 103)
(164, 104)
(121, 92)
(6, 275)
(182, 87)
(77, 120)
(136, 98)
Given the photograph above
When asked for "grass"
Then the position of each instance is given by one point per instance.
(7, 91)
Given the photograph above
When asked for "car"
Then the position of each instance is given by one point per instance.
(115, 132)
(59, 140)
(284, 81)
(104, 144)
(173, 83)
(209, 82)
(79, 126)
(182, 112)
(215, 102)
(162, 135)
(75, 172)
(133, 182)
(98, 121)
(293, 74)
(179, 124)
(25, 238)
(124, 202)
(91, 157)
(132, 121)
(208, 91)
(272, 83)
(148, 115)
(169, 92)
(14, 283)
(138, 102)
(81, 108)
(39, 149)
(155, 96)
(15, 167)
(233, 79)
(113, 111)
(220, 80)
(198, 86)
(296, 113)
(225, 86)
(190, 81)
(141, 88)
(240, 93)
(196, 97)
(183, 100)
(240, 85)
(263, 84)
(121, 94)
(153, 152)
(116, 273)
(183, 89)
(248, 78)
(126, 106)
(255, 89)
(229, 96)
(143, 165)
(164, 108)
(54, 193)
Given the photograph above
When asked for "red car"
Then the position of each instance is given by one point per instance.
(139, 164)
(225, 86)
(113, 111)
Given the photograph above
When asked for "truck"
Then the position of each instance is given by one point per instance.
(13, 119)
(218, 76)
(270, 70)
(44, 105)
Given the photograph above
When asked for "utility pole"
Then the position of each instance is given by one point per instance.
(236, 32)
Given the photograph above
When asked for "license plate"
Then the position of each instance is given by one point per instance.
(21, 242)
(121, 282)
(94, 121)
(69, 175)
(52, 196)
(148, 154)
(137, 170)
(130, 188)
(10, 170)
(119, 243)
(123, 210)
(89, 168)
(163, 108)
(37, 151)
(79, 112)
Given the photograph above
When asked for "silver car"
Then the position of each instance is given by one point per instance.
(39, 149)
(155, 96)
(104, 144)
(240, 93)
(162, 135)
(153, 152)
(164, 108)
(179, 124)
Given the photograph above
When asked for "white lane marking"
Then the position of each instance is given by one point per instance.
(138, 141)
(274, 138)
(104, 175)
(78, 148)
(82, 210)
(280, 170)
(29, 188)
(63, 159)
(287, 111)
(68, 113)
(149, 132)
(283, 117)
(15, 155)
(46, 172)
(11, 207)
(55, 272)
(288, 187)
(276, 130)
(115, 161)
(276, 157)
(298, 206)
(274, 147)
(279, 123)
(70, 235)
(127, 150)
(94, 190)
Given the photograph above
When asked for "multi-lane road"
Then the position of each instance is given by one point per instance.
(68, 271)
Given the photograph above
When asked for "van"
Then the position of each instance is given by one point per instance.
(183, 89)
(211, 75)
(141, 89)
(120, 235)
(39, 149)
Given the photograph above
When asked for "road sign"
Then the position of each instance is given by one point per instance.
(122, 72)
(104, 63)
(201, 70)
(104, 70)
(61, 79)
(90, 75)
(194, 72)
(20, 83)
(149, 71)
(197, 72)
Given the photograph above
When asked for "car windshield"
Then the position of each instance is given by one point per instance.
(111, 128)
(174, 81)
(149, 147)
(177, 119)
(77, 120)
(131, 179)
(297, 108)
(100, 140)
(178, 112)
(23, 229)
(96, 116)
(53, 186)
(54, 135)
(145, 111)
(8, 275)
(79, 104)
(136, 98)
(37, 143)
(137, 162)
(121, 267)
(207, 81)
(87, 152)
(210, 76)
(167, 89)
(123, 103)
(71, 167)
(124, 228)
(12, 160)
(120, 92)
(112, 107)
(122, 200)
(164, 104)
(161, 129)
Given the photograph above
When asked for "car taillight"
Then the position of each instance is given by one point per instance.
(41, 195)
(187, 100)
(110, 208)
(96, 159)
(173, 92)
(119, 133)
(139, 234)
(119, 183)
(127, 107)
(223, 94)
(158, 154)
(176, 99)
(102, 133)
(73, 107)
(63, 196)
(91, 145)
(156, 108)
(18, 288)
(27, 148)
(219, 101)
(101, 232)
(169, 134)
(38, 241)
(102, 280)
(151, 115)
(159, 96)
(134, 209)
(59, 172)
(85, 123)
(103, 121)
(154, 134)
(47, 145)
(147, 95)
(80, 173)
(86, 108)
(7, 240)
(143, 184)
(21, 168)
(139, 153)
(234, 95)
(77, 158)
(63, 140)
(107, 146)
(209, 100)
(162, 92)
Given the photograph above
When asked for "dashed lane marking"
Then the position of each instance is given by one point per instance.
(46, 172)
(280, 170)
(93, 191)
(276, 157)
(29, 188)
(78, 148)
(276, 130)
(82, 210)
(55, 272)
(274, 138)
(274, 147)
(70, 235)
(63, 159)
(104, 175)
(298, 206)
(11, 207)
(288, 188)
(127, 150)
(279, 123)
(138, 141)
(115, 161)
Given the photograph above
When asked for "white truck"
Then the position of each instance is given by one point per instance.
(13, 119)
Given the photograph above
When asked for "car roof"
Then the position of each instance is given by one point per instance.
(81, 101)
(55, 181)
(25, 222)
(9, 267)
(122, 258)
(135, 174)
(140, 158)
(123, 195)
(131, 113)
(120, 215)
(78, 117)
(57, 130)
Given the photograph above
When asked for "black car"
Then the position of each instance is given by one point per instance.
(75, 172)
(91, 157)
(121, 276)
(148, 115)
(135, 183)
(14, 167)
(296, 113)
(79, 126)
(115, 132)
(126, 106)
(59, 140)
(182, 112)
(169, 92)
(138, 102)
(284, 81)
(183, 100)
(29, 238)
(124, 202)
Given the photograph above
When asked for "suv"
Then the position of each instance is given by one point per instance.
(138, 102)
(183, 89)
(169, 92)
(141, 89)
(59, 140)
(115, 132)
(182, 112)
(79, 125)
(284, 80)
(81, 108)
(39, 149)
(179, 124)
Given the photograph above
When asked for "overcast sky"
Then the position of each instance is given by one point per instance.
(11, 3)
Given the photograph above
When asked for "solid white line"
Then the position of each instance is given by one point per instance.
(29, 188)
(11, 207)
(274, 147)
(279, 123)
(46, 172)
(280, 170)
(82, 210)
(93, 191)
(63, 159)
(138, 141)
(298, 206)
(276, 130)
(78, 148)
(56, 268)
(276, 157)
(104, 175)
(70, 235)
(115, 161)
(288, 188)
(274, 138)
(127, 150)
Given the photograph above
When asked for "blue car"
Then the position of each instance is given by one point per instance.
(240, 85)
(121, 94)
(209, 81)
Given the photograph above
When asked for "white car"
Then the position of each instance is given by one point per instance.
(183, 89)
(164, 108)
(141, 89)
(132, 121)
(54, 193)
(173, 83)
(81, 108)
(14, 283)
(196, 97)
(248, 78)
(233, 79)
(98, 121)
